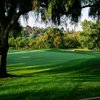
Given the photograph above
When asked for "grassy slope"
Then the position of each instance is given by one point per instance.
(51, 75)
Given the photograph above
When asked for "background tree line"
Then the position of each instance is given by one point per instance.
(37, 38)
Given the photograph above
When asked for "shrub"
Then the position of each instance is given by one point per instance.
(12, 42)
(71, 41)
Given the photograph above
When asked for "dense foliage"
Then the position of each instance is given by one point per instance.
(56, 38)
(51, 38)
(90, 36)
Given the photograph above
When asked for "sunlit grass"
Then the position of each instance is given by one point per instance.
(51, 74)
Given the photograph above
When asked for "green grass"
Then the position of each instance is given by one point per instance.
(51, 74)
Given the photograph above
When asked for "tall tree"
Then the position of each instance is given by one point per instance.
(10, 11)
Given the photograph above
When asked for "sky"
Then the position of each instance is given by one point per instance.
(84, 16)
(33, 22)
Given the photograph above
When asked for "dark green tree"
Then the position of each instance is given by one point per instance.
(10, 11)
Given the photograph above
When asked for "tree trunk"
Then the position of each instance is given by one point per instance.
(3, 58)
(3, 54)
(5, 28)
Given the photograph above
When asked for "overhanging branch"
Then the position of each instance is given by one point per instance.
(86, 6)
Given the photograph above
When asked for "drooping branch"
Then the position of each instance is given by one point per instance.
(91, 5)
(87, 6)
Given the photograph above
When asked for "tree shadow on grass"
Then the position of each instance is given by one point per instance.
(81, 66)
(78, 69)
(75, 93)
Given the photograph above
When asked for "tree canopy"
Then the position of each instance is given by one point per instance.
(71, 8)
(12, 9)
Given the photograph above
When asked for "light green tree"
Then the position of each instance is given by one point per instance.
(90, 36)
